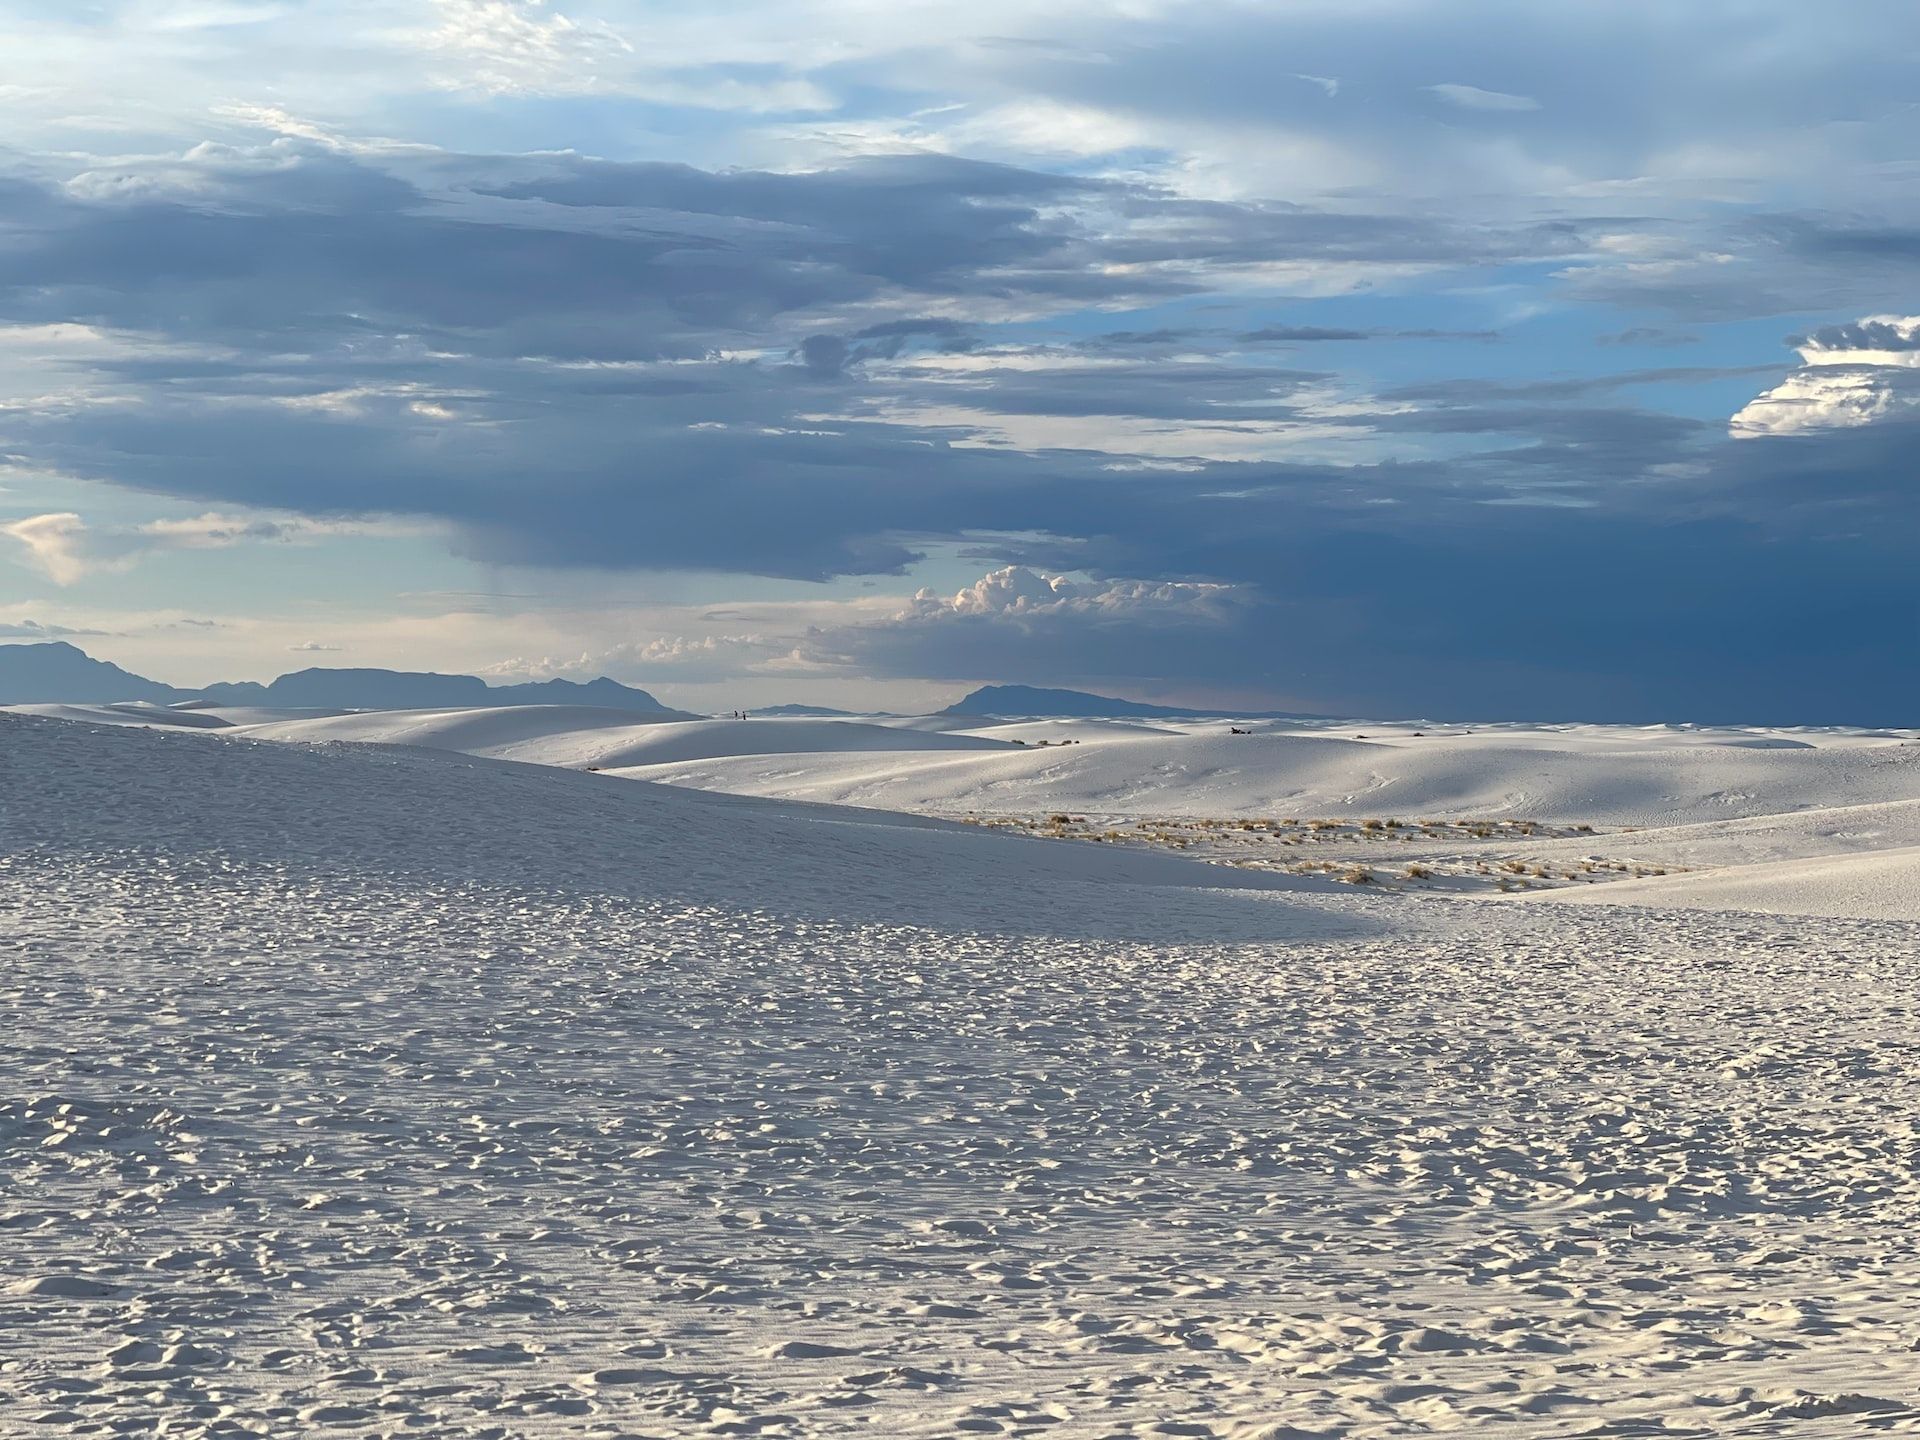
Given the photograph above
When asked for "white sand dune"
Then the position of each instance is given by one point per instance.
(1825, 832)
(1730, 807)
(634, 839)
(1055, 732)
(128, 713)
(191, 715)
(1597, 775)
(578, 735)
(1879, 885)
(376, 1090)
(240, 716)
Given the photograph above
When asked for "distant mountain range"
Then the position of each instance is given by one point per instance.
(1025, 700)
(420, 690)
(56, 672)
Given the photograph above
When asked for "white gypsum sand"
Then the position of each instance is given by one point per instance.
(1525, 808)
(370, 1090)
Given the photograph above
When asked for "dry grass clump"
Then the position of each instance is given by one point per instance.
(1256, 843)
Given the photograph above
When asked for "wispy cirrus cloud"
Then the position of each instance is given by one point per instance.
(35, 630)
(1472, 97)
(66, 549)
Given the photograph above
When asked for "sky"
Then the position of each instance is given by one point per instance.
(1454, 358)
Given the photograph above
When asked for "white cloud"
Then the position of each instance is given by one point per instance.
(1020, 624)
(507, 47)
(1472, 97)
(62, 546)
(519, 45)
(1015, 591)
(1038, 126)
(1013, 607)
(680, 657)
(1849, 375)
(56, 544)
(1135, 441)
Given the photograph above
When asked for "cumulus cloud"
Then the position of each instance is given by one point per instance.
(1017, 623)
(673, 658)
(1017, 593)
(1849, 375)
(1014, 622)
(697, 658)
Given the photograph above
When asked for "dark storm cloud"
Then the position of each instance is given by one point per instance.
(1130, 339)
(589, 259)
(1878, 333)
(1763, 262)
(1760, 596)
(474, 340)
(1317, 334)
(1211, 392)
(547, 355)
(1300, 334)
(827, 356)
(893, 338)
(1648, 335)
